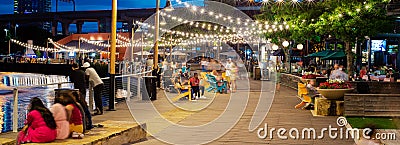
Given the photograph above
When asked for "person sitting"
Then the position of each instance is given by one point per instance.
(80, 99)
(311, 92)
(74, 115)
(338, 73)
(60, 116)
(307, 94)
(40, 126)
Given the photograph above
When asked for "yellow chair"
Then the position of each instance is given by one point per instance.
(186, 92)
(303, 93)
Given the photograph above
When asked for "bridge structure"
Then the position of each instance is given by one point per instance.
(102, 17)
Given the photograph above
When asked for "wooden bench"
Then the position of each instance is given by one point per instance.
(113, 132)
(379, 105)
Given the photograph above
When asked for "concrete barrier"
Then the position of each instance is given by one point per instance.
(113, 133)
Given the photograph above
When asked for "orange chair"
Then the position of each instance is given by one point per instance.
(303, 95)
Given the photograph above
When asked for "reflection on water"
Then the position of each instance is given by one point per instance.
(22, 80)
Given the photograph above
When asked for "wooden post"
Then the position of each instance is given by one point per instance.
(15, 110)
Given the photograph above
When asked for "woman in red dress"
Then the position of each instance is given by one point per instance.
(39, 126)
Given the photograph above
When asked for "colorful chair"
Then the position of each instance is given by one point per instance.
(302, 93)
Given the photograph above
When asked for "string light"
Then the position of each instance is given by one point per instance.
(33, 47)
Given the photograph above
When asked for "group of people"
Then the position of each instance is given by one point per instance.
(183, 75)
(64, 119)
(69, 116)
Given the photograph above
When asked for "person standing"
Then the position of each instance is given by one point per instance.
(77, 77)
(98, 84)
(194, 84)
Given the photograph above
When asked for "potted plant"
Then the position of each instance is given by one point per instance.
(309, 76)
(334, 89)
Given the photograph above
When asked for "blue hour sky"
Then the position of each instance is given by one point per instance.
(7, 6)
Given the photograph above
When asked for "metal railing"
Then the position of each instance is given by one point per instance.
(128, 77)
(15, 103)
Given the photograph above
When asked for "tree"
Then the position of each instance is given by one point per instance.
(342, 19)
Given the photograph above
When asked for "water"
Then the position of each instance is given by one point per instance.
(27, 89)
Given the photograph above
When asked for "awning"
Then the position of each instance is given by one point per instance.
(321, 53)
(335, 56)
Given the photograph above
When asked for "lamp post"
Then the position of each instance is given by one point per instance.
(15, 30)
(299, 47)
(275, 48)
(111, 105)
(157, 23)
(9, 42)
(286, 44)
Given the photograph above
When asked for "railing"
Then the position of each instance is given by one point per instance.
(15, 103)
(122, 80)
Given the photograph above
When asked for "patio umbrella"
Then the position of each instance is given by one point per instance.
(335, 56)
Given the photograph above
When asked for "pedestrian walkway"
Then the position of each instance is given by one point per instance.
(281, 115)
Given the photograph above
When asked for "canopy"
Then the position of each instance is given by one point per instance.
(144, 53)
(335, 55)
(321, 53)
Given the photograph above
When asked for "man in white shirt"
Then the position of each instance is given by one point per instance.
(98, 84)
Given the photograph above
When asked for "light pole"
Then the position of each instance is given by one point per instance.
(9, 42)
(15, 30)
(132, 37)
(157, 18)
(275, 48)
(286, 44)
(111, 106)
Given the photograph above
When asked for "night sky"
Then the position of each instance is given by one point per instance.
(7, 6)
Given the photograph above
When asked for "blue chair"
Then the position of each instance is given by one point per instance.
(214, 84)
(212, 81)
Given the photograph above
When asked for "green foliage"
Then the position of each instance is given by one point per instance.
(381, 123)
(344, 19)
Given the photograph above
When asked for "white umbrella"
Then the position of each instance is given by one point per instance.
(144, 53)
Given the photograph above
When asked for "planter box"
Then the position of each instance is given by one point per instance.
(334, 94)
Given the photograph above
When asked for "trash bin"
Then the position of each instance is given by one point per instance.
(256, 73)
(150, 82)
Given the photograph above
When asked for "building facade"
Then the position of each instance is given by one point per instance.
(33, 6)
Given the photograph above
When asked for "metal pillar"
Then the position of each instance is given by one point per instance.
(111, 105)
(155, 60)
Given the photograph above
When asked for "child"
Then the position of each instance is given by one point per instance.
(312, 92)
(307, 99)
(201, 86)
